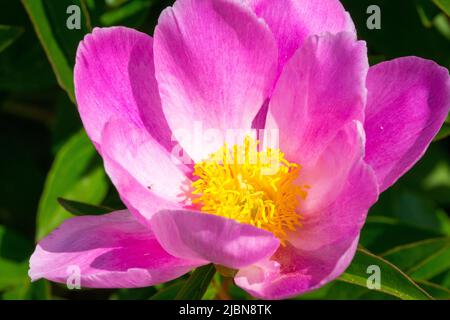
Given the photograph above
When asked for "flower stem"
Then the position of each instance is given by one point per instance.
(197, 284)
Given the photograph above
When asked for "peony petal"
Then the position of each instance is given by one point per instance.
(293, 21)
(294, 271)
(322, 248)
(115, 77)
(321, 89)
(215, 65)
(140, 200)
(146, 175)
(342, 214)
(408, 101)
(202, 236)
(108, 251)
(327, 176)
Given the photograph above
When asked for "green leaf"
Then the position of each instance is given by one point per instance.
(339, 290)
(14, 254)
(12, 273)
(408, 256)
(14, 246)
(169, 292)
(437, 182)
(20, 287)
(23, 64)
(8, 34)
(131, 14)
(442, 24)
(76, 173)
(443, 279)
(383, 233)
(235, 292)
(393, 281)
(49, 19)
(443, 133)
(429, 180)
(80, 208)
(197, 284)
(433, 266)
(426, 11)
(444, 5)
(215, 289)
(416, 209)
(416, 204)
(422, 260)
(437, 291)
(66, 121)
(39, 290)
(402, 32)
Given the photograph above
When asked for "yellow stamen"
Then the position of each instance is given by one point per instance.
(250, 186)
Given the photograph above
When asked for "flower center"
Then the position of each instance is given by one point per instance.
(250, 186)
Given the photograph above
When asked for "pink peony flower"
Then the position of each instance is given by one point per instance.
(346, 133)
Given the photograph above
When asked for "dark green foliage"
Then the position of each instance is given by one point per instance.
(45, 154)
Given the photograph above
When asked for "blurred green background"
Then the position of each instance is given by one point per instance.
(45, 154)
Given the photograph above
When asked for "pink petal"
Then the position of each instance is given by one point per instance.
(293, 21)
(202, 236)
(323, 248)
(109, 251)
(146, 175)
(115, 77)
(321, 89)
(327, 176)
(408, 101)
(294, 271)
(215, 65)
(342, 189)
(338, 215)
